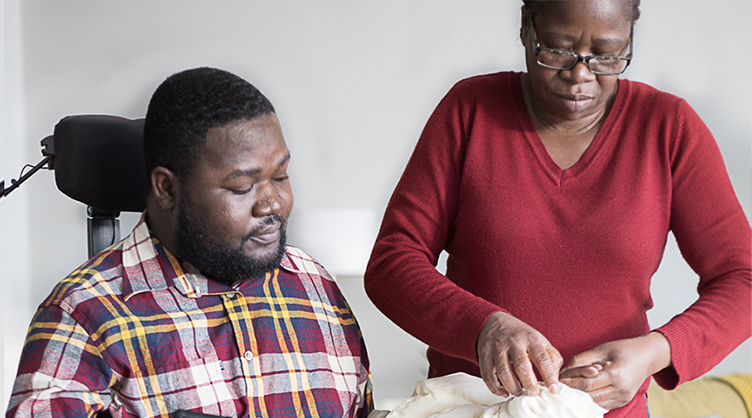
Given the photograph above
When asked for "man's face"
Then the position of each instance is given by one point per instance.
(234, 206)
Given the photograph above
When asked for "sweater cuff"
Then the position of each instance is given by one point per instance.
(681, 355)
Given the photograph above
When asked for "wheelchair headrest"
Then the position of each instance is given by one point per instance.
(99, 161)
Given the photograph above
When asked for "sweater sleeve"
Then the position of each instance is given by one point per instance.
(401, 278)
(714, 238)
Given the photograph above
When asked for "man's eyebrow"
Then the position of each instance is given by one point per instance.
(243, 173)
(255, 171)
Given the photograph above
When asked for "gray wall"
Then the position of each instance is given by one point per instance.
(353, 83)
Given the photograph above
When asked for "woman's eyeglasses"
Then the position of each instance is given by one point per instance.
(565, 60)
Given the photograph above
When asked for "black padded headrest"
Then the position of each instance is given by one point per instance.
(99, 161)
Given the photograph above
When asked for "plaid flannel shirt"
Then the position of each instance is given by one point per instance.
(133, 332)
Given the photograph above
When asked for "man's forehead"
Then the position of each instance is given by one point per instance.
(245, 145)
(244, 128)
(262, 133)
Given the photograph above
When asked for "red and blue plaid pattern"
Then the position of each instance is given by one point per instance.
(136, 332)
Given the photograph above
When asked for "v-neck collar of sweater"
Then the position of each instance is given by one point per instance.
(555, 172)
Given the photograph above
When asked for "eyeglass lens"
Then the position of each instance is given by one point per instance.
(564, 61)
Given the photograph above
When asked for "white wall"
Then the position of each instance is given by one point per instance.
(16, 305)
(353, 83)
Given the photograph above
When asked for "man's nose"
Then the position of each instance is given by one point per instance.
(267, 201)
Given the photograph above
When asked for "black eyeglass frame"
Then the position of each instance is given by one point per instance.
(585, 59)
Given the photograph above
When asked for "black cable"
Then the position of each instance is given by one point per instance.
(15, 183)
(22, 171)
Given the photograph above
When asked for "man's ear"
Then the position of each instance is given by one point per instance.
(165, 187)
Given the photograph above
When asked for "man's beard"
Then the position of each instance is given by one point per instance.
(216, 262)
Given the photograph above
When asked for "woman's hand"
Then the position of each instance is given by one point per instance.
(613, 372)
(508, 349)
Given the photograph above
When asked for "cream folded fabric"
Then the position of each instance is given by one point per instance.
(460, 395)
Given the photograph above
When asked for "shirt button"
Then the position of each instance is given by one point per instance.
(230, 295)
(248, 355)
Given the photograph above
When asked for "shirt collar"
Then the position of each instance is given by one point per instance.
(149, 267)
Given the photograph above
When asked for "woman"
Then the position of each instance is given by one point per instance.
(553, 191)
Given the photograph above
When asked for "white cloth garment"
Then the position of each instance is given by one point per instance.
(460, 395)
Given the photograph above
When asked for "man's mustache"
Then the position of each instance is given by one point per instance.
(268, 220)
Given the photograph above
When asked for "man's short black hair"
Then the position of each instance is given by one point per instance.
(189, 103)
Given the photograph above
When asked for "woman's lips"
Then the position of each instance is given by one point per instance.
(575, 102)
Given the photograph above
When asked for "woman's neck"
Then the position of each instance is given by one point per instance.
(565, 140)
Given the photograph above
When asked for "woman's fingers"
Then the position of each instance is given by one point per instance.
(510, 351)
(548, 361)
(508, 378)
(488, 371)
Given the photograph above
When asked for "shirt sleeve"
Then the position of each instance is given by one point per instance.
(714, 238)
(343, 337)
(357, 348)
(366, 405)
(61, 372)
(401, 278)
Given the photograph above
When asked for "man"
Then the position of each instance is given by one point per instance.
(202, 307)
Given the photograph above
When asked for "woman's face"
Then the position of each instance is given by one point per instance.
(591, 27)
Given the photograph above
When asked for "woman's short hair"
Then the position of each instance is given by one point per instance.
(538, 7)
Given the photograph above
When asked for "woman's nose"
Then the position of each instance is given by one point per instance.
(580, 73)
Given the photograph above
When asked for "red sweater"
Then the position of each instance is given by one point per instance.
(569, 252)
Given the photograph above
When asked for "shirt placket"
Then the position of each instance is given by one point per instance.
(242, 325)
